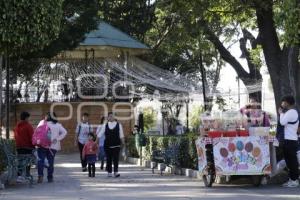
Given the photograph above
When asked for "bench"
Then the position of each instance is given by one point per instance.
(16, 163)
(168, 157)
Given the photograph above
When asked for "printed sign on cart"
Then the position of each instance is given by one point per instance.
(242, 155)
(202, 162)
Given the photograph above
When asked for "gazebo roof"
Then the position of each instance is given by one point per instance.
(106, 41)
(107, 35)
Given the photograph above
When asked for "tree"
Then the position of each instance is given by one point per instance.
(26, 26)
(78, 18)
(224, 19)
(195, 117)
(282, 60)
(209, 19)
(133, 17)
(191, 55)
(149, 118)
(170, 112)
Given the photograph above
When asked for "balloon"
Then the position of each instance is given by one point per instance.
(224, 152)
(240, 145)
(256, 152)
(249, 147)
(231, 147)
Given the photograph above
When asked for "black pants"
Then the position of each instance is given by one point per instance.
(25, 151)
(92, 169)
(290, 156)
(83, 161)
(112, 157)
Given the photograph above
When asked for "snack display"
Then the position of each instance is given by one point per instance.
(238, 146)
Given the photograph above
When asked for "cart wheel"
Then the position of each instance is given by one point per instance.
(256, 180)
(208, 179)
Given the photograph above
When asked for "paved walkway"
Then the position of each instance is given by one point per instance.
(134, 183)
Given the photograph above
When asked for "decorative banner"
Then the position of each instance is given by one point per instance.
(201, 152)
(242, 155)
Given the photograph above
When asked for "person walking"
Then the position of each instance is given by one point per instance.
(56, 133)
(89, 153)
(114, 138)
(23, 137)
(82, 130)
(101, 154)
(288, 117)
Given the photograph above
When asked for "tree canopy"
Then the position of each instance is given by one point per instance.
(28, 25)
(79, 17)
(133, 17)
(265, 27)
(76, 19)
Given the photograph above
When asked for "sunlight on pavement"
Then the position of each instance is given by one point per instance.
(69, 165)
(70, 183)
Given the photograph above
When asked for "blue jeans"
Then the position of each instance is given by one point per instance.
(49, 154)
(101, 155)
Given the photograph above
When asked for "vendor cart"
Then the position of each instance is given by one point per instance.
(235, 152)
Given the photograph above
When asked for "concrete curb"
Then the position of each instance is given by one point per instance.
(167, 169)
(278, 179)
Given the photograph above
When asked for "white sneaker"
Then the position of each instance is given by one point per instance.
(109, 175)
(292, 184)
(286, 183)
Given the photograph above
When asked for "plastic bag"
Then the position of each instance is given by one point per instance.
(123, 153)
(280, 166)
(46, 162)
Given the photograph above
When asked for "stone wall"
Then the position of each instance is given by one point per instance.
(95, 110)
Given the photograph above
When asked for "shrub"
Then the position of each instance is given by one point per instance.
(187, 153)
(9, 144)
(131, 148)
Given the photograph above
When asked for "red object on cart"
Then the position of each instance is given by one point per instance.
(214, 134)
(240, 133)
(230, 134)
(243, 133)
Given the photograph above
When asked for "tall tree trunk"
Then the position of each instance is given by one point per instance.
(203, 78)
(297, 80)
(276, 59)
(46, 95)
(7, 98)
(26, 95)
(1, 89)
(294, 72)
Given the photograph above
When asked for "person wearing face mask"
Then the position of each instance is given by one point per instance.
(289, 119)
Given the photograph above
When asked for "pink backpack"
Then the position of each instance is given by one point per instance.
(42, 136)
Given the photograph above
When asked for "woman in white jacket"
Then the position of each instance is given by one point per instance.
(58, 133)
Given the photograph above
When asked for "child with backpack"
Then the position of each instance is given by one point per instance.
(89, 153)
(46, 138)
